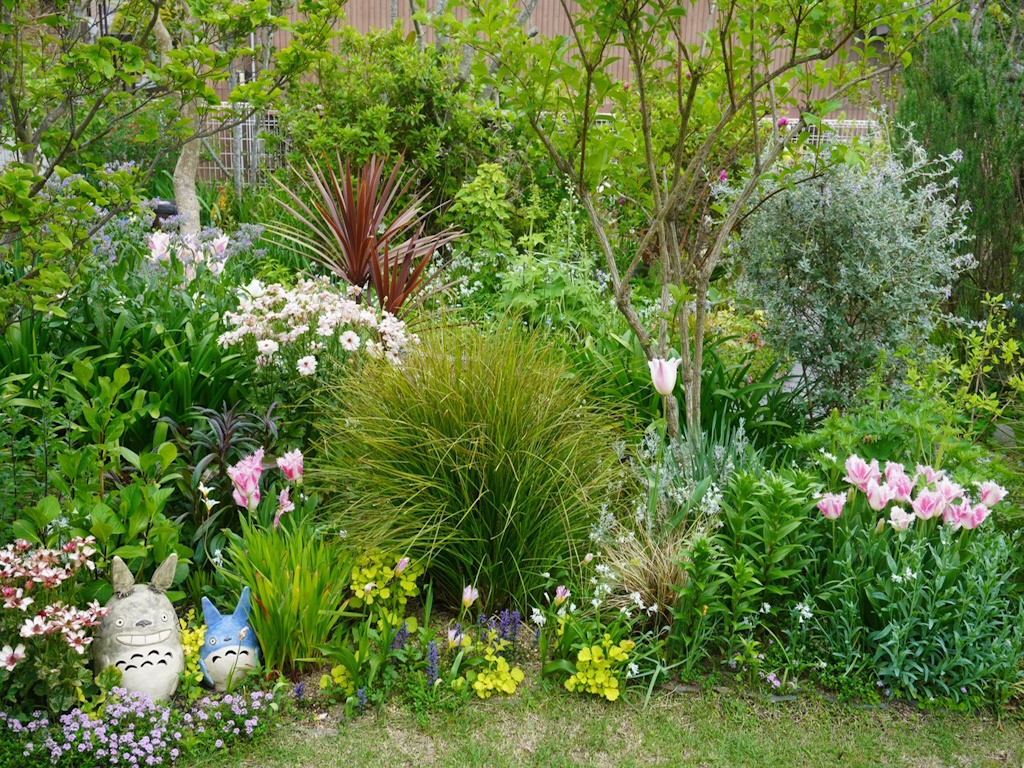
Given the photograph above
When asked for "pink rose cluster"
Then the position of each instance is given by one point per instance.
(46, 568)
(245, 479)
(928, 492)
(26, 574)
(70, 621)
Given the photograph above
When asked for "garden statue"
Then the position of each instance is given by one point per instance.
(140, 636)
(230, 649)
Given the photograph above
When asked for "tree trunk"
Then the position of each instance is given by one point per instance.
(236, 143)
(186, 198)
(394, 13)
(420, 34)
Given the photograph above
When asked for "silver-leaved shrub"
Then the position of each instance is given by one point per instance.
(853, 264)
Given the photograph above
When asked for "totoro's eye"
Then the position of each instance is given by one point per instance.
(163, 617)
(213, 641)
(119, 623)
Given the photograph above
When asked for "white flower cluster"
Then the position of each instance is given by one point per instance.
(305, 317)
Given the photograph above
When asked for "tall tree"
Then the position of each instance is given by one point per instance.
(69, 81)
(964, 94)
(699, 126)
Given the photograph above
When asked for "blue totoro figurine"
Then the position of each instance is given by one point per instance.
(230, 649)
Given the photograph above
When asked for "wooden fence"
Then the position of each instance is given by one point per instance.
(224, 152)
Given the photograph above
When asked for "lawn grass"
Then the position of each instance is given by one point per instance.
(551, 729)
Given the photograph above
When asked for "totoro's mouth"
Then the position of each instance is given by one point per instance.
(150, 638)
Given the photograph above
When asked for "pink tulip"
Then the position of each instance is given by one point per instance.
(953, 514)
(159, 243)
(663, 374)
(469, 596)
(893, 471)
(859, 472)
(902, 488)
(899, 519)
(561, 594)
(976, 517)
(285, 505)
(245, 477)
(878, 495)
(928, 504)
(991, 493)
(220, 244)
(291, 465)
(831, 505)
(949, 491)
(929, 474)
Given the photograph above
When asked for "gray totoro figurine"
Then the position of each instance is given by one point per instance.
(140, 636)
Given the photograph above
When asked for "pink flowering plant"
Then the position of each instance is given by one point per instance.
(45, 631)
(189, 256)
(284, 494)
(916, 581)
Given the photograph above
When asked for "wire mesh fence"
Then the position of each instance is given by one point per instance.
(247, 152)
(244, 152)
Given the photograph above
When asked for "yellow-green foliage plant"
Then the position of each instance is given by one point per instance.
(193, 635)
(384, 583)
(482, 456)
(497, 675)
(599, 668)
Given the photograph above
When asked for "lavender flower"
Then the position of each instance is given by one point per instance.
(401, 637)
(508, 625)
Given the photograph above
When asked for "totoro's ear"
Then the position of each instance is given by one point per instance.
(121, 578)
(244, 603)
(164, 576)
(211, 615)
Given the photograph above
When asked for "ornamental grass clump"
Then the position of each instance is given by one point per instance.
(482, 457)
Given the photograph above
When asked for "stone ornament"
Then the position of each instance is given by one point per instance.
(230, 649)
(140, 635)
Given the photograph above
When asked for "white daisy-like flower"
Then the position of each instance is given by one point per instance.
(267, 346)
(306, 365)
(350, 341)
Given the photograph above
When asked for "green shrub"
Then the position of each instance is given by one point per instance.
(380, 95)
(298, 580)
(854, 264)
(483, 456)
